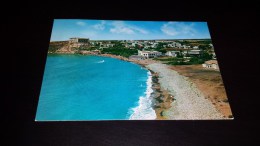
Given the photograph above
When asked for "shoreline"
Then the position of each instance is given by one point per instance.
(144, 110)
(161, 98)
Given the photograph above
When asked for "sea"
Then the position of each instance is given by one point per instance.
(87, 88)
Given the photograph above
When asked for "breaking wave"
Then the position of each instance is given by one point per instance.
(144, 110)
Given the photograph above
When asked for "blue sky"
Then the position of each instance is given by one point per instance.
(63, 29)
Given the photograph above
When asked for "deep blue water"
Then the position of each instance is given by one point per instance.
(77, 87)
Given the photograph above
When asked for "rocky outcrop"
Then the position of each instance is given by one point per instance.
(57, 45)
(66, 47)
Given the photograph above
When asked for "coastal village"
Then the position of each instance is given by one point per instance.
(180, 68)
(173, 52)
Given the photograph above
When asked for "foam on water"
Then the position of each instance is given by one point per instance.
(144, 110)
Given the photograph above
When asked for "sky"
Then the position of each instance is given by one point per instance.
(63, 29)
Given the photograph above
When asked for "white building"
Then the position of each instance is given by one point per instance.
(184, 47)
(110, 45)
(149, 54)
(92, 43)
(133, 44)
(174, 45)
(146, 47)
(172, 53)
(178, 45)
(106, 45)
(195, 47)
(211, 64)
(154, 45)
(171, 45)
(211, 45)
(78, 42)
(193, 52)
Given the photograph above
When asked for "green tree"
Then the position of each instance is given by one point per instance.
(179, 54)
(206, 56)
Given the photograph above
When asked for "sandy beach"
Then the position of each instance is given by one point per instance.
(189, 103)
(210, 83)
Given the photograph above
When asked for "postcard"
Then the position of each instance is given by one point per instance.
(131, 70)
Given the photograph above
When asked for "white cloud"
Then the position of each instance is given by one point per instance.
(100, 26)
(80, 23)
(88, 34)
(178, 28)
(143, 31)
(121, 27)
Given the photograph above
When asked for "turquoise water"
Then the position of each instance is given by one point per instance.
(77, 87)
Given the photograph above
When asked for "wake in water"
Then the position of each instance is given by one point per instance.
(144, 110)
(102, 61)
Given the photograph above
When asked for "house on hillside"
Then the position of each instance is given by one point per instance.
(211, 64)
(133, 44)
(154, 45)
(185, 47)
(178, 45)
(172, 53)
(78, 42)
(146, 47)
(195, 47)
(211, 45)
(149, 54)
(174, 45)
(192, 52)
(171, 45)
(107, 45)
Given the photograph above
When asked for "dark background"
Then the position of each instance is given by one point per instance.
(235, 33)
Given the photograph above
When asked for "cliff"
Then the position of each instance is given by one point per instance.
(65, 47)
(54, 47)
